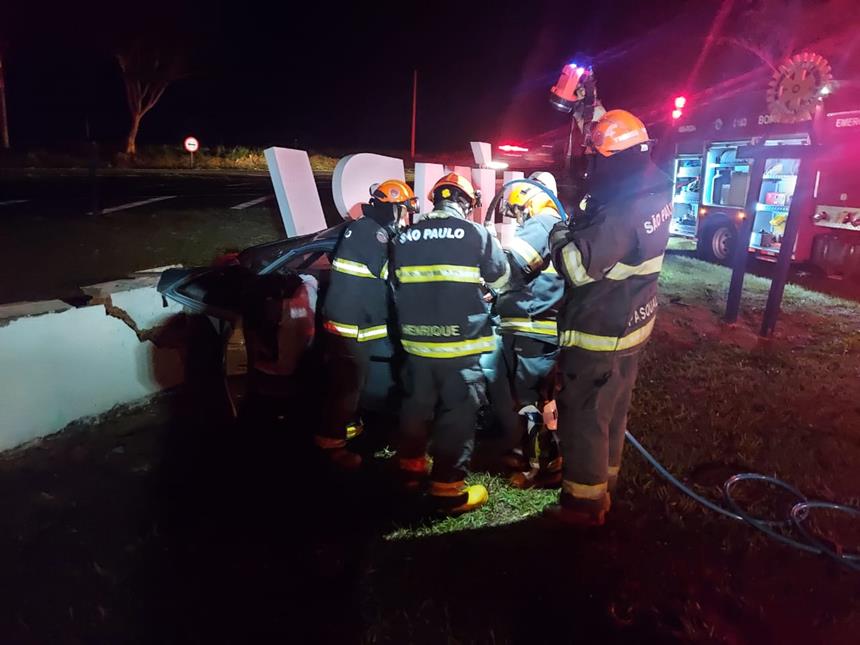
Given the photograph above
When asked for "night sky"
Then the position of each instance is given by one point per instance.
(322, 77)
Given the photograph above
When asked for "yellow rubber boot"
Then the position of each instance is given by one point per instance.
(458, 497)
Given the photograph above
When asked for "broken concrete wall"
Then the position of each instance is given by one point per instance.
(68, 363)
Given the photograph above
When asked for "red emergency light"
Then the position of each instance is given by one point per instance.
(680, 102)
(676, 114)
(510, 148)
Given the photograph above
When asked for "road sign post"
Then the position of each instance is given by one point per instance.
(192, 145)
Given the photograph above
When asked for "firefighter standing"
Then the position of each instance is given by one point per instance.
(440, 266)
(356, 311)
(611, 262)
(521, 382)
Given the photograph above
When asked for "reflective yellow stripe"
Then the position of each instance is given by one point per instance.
(585, 491)
(353, 331)
(614, 470)
(352, 268)
(623, 271)
(498, 285)
(454, 349)
(341, 329)
(527, 252)
(354, 429)
(543, 327)
(574, 267)
(438, 273)
(550, 270)
(372, 333)
(384, 273)
(595, 343)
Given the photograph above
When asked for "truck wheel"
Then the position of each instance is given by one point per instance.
(717, 240)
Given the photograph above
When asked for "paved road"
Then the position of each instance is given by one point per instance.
(69, 194)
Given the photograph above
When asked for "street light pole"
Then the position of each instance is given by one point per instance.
(414, 108)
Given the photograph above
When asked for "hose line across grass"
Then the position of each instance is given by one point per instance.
(797, 516)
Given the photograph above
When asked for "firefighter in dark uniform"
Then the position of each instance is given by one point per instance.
(521, 383)
(358, 351)
(441, 266)
(611, 261)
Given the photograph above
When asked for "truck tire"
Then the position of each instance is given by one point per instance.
(717, 239)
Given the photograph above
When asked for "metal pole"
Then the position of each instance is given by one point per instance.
(742, 242)
(94, 180)
(414, 108)
(786, 250)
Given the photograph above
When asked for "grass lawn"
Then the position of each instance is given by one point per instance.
(242, 536)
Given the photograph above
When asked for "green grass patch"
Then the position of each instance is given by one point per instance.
(506, 505)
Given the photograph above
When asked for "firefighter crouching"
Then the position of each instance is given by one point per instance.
(440, 265)
(521, 381)
(611, 262)
(359, 353)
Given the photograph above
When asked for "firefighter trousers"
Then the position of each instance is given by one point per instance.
(442, 397)
(520, 375)
(359, 376)
(593, 402)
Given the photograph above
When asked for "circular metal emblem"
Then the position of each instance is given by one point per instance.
(797, 86)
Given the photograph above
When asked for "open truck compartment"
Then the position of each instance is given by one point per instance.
(813, 173)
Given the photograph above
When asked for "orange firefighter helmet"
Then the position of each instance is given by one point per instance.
(392, 191)
(617, 130)
(453, 186)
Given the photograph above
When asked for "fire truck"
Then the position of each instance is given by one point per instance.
(809, 169)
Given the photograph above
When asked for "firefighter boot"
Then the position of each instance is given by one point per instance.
(412, 473)
(337, 454)
(575, 511)
(457, 497)
(544, 462)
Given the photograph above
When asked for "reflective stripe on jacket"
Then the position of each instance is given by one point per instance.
(438, 266)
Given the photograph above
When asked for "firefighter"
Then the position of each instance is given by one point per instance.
(521, 384)
(441, 265)
(610, 260)
(358, 351)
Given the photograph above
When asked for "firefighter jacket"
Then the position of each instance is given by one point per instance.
(440, 264)
(611, 261)
(357, 303)
(529, 304)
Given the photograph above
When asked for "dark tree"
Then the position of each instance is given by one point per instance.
(148, 68)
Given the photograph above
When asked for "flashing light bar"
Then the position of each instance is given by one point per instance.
(509, 148)
(676, 114)
(680, 102)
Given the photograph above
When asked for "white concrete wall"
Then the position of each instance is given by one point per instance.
(58, 367)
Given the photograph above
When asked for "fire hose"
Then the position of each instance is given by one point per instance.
(799, 513)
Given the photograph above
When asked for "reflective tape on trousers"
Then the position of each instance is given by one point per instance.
(585, 491)
(454, 349)
(595, 343)
(438, 273)
(528, 326)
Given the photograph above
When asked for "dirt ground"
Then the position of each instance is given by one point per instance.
(169, 524)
